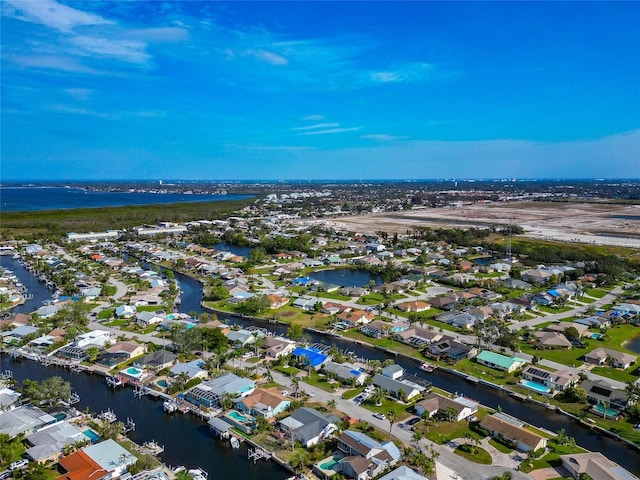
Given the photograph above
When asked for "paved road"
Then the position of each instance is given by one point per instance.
(467, 469)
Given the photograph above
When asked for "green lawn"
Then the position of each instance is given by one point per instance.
(349, 394)
(385, 343)
(596, 292)
(630, 375)
(479, 455)
(546, 309)
(443, 432)
(331, 295)
(402, 411)
(319, 381)
(501, 447)
(551, 459)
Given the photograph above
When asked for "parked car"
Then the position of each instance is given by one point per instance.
(18, 464)
(379, 416)
(369, 389)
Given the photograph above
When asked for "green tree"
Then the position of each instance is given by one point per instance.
(295, 331)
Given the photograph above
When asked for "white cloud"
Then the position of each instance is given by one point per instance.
(316, 126)
(405, 73)
(331, 131)
(314, 117)
(269, 57)
(53, 62)
(131, 51)
(162, 34)
(52, 14)
(79, 93)
(382, 137)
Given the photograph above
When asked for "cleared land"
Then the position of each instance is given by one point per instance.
(595, 223)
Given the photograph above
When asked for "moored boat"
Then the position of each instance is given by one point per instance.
(425, 367)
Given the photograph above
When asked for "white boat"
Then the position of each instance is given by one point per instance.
(198, 474)
(170, 406)
(235, 443)
(425, 367)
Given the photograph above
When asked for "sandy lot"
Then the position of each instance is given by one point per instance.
(603, 224)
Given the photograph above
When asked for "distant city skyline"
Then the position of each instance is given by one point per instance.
(326, 90)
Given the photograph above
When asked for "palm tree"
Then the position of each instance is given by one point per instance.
(391, 416)
(377, 396)
(416, 437)
(331, 404)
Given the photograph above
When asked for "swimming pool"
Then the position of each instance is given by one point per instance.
(60, 416)
(596, 336)
(330, 465)
(238, 416)
(162, 383)
(91, 435)
(610, 412)
(538, 387)
(134, 372)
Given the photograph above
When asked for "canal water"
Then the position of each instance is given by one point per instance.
(346, 277)
(187, 440)
(235, 249)
(619, 452)
(39, 291)
(633, 345)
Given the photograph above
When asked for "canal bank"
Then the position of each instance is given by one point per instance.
(591, 439)
(187, 440)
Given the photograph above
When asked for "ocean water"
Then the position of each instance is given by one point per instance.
(13, 199)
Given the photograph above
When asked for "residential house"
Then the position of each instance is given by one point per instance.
(414, 306)
(265, 403)
(417, 336)
(377, 456)
(277, 301)
(125, 311)
(146, 319)
(310, 356)
(404, 473)
(433, 403)
(551, 340)
(617, 359)
(450, 348)
(308, 426)
(128, 349)
(345, 372)
(48, 443)
(559, 380)
(500, 362)
(393, 371)
(594, 465)
(602, 393)
(521, 438)
(275, 347)
(24, 419)
(191, 370)
(156, 360)
(562, 326)
(108, 455)
(516, 284)
(306, 304)
(404, 389)
(211, 392)
(353, 291)
(443, 303)
(536, 276)
(331, 308)
(8, 398)
(356, 317)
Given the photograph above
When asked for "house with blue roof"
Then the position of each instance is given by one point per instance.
(303, 281)
(310, 356)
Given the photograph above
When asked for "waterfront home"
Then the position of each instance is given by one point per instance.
(306, 304)
(275, 347)
(308, 426)
(211, 392)
(277, 301)
(521, 438)
(332, 308)
(414, 306)
(127, 349)
(8, 398)
(17, 320)
(356, 317)
(345, 372)
(381, 329)
(241, 338)
(500, 362)
(48, 311)
(310, 356)
(156, 360)
(400, 389)
(551, 340)
(353, 291)
(559, 380)
(18, 334)
(417, 336)
(365, 457)
(104, 460)
(616, 359)
(94, 338)
(393, 371)
(25, 419)
(191, 370)
(460, 407)
(602, 394)
(452, 349)
(49, 442)
(594, 465)
(265, 403)
(406, 473)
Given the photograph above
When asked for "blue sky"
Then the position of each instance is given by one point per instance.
(327, 90)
